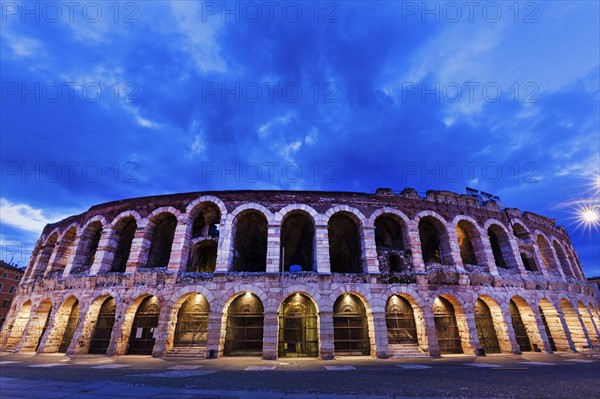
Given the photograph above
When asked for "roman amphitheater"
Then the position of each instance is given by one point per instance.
(303, 274)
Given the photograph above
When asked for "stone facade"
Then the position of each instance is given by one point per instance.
(380, 274)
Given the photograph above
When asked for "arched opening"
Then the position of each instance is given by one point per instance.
(63, 252)
(519, 327)
(553, 326)
(162, 241)
(89, 241)
(203, 257)
(103, 328)
(573, 324)
(400, 322)
(298, 241)
(485, 327)
(250, 249)
(124, 240)
(143, 329)
(345, 251)
(350, 328)
(446, 328)
(546, 252)
(500, 246)
(70, 327)
(435, 246)
(298, 329)
(244, 331)
(17, 328)
(588, 323)
(562, 258)
(191, 329)
(206, 221)
(44, 256)
(37, 326)
(526, 250)
(389, 241)
(464, 232)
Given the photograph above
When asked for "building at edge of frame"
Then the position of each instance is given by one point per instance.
(303, 274)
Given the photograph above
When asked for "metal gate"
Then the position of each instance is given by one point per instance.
(550, 339)
(400, 321)
(70, 328)
(103, 329)
(519, 328)
(446, 328)
(192, 322)
(141, 339)
(244, 331)
(350, 330)
(485, 328)
(298, 328)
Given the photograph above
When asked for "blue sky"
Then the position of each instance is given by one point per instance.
(103, 102)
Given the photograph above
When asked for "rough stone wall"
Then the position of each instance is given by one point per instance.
(49, 288)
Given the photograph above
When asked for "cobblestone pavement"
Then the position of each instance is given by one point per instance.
(495, 376)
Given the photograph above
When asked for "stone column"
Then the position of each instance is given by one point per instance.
(543, 335)
(270, 335)
(470, 330)
(225, 248)
(454, 249)
(138, 256)
(119, 338)
(45, 339)
(105, 252)
(322, 249)
(180, 248)
(379, 333)
(326, 347)
(273, 248)
(539, 261)
(215, 334)
(161, 331)
(489, 254)
(370, 262)
(81, 339)
(507, 330)
(433, 348)
(566, 330)
(414, 242)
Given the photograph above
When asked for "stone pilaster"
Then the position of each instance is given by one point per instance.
(322, 249)
(215, 334)
(506, 337)
(369, 250)
(161, 331)
(273, 248)
(326, 347)
(380, 335)
(138, 256)
(270, 335)
(105, 252)
(180, 248)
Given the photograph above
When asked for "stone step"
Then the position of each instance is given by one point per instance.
(187, 352)
(405, 350)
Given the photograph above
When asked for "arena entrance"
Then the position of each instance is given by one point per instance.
(400, 321)
(69, 328)
(43, 314)
(244, 331)
(298, 332)
(485, 327)
(350, 329)
(103, 329)
(141, 339)
(519, 328)
(191, 329)
(446, 327)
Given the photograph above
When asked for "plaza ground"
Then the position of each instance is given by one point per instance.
(533, 375)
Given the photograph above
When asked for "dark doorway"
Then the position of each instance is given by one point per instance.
(250, 249)
(485, 328)
(103, 329)
(519, 328)
(298, 335)
(203, 257)
(344, 244)
(124, 241)
(141, 339)
(297, 238)
(192, 322)
(400, 321)
(446, 328)
(162, 241)
(350, 329)
(244, 332)
(70, 328)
